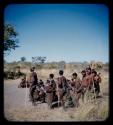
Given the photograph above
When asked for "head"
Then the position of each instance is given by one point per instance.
(88, 71)
(74, 75)
(32, 68)
(92, 70)
(47, 81)
(94, 73)
(83, 72)
(51, 76)
(61, 72)
(41, 82)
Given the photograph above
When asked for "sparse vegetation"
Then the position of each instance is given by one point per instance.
(86, 112)
(68, 67)
(96, 65)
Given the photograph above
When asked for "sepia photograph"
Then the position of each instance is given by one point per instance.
(56, 62)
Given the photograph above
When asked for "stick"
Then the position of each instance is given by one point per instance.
(26, 96)
(58, 95)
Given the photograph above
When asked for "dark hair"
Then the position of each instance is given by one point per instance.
(88, 68)
(31, 69)
(41, 82)
(74, 74)
(61, 72)
(51, 75)
(83, 71)
(47, 81)
(94, 72)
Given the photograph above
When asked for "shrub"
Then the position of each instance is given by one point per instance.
(19, 74)
(13, 75)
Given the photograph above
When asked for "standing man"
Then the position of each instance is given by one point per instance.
(85, 84)
(50, 90)
(77, 88)
(90, 77)
(62, 87)
(90, 81)
(97, 81)
(33, 80)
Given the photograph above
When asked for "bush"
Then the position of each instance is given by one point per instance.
(19, 74)
(39, 66)
(52, 66)
(48, 66)
(13, 75)
(6, 74)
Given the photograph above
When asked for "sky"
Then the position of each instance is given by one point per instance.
(69, 32)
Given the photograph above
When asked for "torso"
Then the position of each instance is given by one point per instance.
(60, 81)
(85, 81)
(97, 79)
(76, 83)
(91, 80)
(50, 87)
(32, 78)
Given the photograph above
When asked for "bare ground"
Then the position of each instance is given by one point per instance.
(16, 108)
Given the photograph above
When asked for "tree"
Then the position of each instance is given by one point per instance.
(23, 59)
(42, 59)
(10, 41)
(34, 60)
(38, 60)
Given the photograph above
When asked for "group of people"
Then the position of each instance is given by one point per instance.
(62, 90)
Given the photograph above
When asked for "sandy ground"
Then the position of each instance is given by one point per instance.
(16, 108)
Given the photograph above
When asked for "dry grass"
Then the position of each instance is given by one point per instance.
(88, 111)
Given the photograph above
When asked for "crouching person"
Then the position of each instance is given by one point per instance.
(22, 83)
(42, 93)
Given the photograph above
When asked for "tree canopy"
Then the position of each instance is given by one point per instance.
(10, 38)
(23, 59)
(38, 60)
